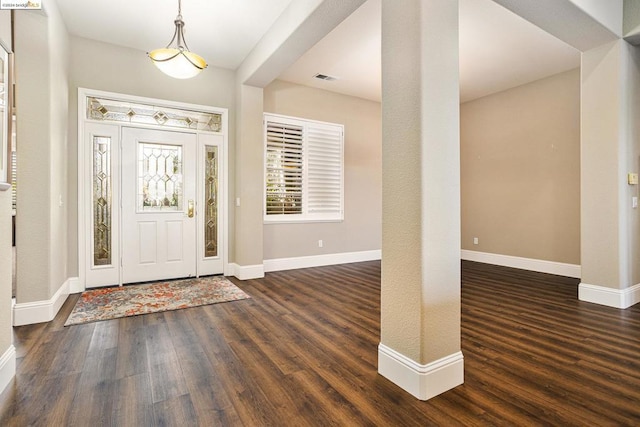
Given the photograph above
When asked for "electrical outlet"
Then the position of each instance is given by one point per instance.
(476, 241)
(320, 243)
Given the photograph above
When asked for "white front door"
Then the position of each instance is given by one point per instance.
(158, 204)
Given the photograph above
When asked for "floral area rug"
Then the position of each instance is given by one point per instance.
(132, 300)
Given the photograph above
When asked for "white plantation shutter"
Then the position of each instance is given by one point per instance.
(304, 164)
(14, 181)
(324, 174)
(283, 177)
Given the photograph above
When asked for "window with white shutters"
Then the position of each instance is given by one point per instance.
(303, 170)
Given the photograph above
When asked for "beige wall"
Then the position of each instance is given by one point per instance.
(102, 66)
(249, 178)
(603, 145)
(33, 148)
(633, 159)
(59, 111)
(520, 161)
(362, 225)
(42, 49)
(610, 150)
(5, 228)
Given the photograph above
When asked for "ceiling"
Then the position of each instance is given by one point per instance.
(222, 31)
(498, 50)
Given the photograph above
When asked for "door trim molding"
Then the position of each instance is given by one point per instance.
(83, 93)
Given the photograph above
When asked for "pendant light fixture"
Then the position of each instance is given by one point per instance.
(176, 60)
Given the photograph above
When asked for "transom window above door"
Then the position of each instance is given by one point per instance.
(105, 109)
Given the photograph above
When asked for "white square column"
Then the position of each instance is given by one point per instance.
(420, 309)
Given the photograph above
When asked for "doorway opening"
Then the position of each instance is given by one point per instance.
(152, 190)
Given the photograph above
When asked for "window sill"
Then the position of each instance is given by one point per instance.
(300, 221)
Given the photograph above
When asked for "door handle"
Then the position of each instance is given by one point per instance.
(190, 209)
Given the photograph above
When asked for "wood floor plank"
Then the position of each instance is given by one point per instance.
(132, 348)
(132, 402)
(167, 379)
(93, 404)
(105, 336)
(176, 411)
(212, 403)
(303, 351)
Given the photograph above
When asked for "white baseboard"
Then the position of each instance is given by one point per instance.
(7, 367)
(75, 287)
(29, 313)
(247, 272)
(280, 264)
(539, 265)
(618, 298)
(422, 381)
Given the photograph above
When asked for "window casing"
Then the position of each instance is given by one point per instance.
(304, 170)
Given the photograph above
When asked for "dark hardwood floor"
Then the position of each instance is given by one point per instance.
(303, 352)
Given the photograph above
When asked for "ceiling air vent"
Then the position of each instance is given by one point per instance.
(325, 77)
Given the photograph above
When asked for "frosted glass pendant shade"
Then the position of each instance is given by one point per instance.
(178, 63)
(176, 60)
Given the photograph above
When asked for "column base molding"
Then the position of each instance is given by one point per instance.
(422, 381)
(247, 272)
(617, 298)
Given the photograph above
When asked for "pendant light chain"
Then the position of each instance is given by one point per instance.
(182, 43)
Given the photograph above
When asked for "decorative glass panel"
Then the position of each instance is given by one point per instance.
(128, 112)
(101, 200)
(159, 177)
(211, 202)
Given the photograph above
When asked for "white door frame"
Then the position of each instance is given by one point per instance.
(83, 215)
